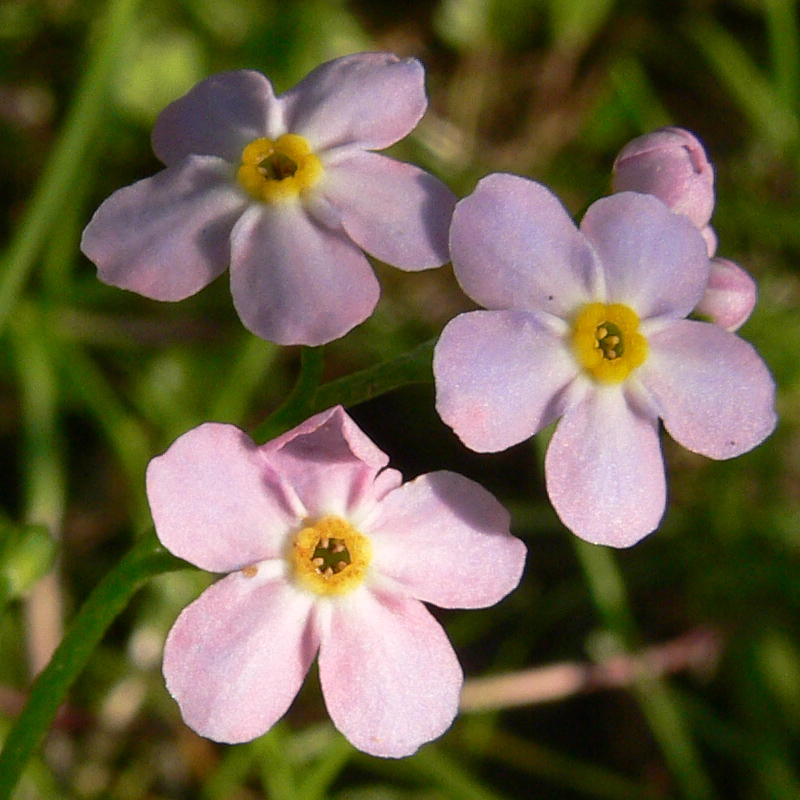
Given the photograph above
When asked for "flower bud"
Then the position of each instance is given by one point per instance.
(671, 164)
(730, 295)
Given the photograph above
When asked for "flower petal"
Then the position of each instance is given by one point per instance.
(514, 246)
(395, 211)
(605, 472)
(368, 99)
(216, 502)
(168, 236)
(714, 392)
(654, 261)
(296, 282)
(389, 675)
(236, 657)
(217, 117)
(331, 464)
(499, 376)
(446, 540)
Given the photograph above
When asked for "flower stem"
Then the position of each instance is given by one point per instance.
(408, 368)
(146, 559)
(64, 162)
(655, 698)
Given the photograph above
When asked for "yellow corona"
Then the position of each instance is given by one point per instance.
(279, 171)
(606, 341)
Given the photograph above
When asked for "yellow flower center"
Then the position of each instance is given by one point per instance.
(330, 556)
(607, 342)
(280, 170)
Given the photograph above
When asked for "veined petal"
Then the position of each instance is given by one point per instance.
(331, 464)
(296, 282)
(514, 246)
(654, 261)
(217, 117)
(499, 377)
(389, 675)
(446, 541)
(715, 393)
(168, 236)
(605, 472)
(368, 99)
(216, 502)
(236, 657)
(395, 211)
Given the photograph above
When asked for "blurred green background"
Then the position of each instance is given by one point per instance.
(94, 381)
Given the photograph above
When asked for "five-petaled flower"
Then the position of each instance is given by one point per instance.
(287, 191)
(589, 325)
(327, 551)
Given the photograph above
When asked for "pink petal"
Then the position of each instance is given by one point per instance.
(715, 394)
(236, 657)
(514, 246)
(368, 99)
(395, 211)
(446, 540)
(216, 502)
(294, 281)
(654, 261)
(499, 377)
(730, 296)
(671, 164)
(217, 117)
(389, 675)
(604, 470)
(331, 464)
(166, 237)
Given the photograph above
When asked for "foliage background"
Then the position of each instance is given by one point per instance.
(95, 381)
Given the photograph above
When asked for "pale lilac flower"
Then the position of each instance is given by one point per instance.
(327, 551)
(671, 163)
(589, 325)
(287, 191)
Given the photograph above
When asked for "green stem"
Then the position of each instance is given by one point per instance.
(106, 602)
(411, 367)
(64, 162)
(658, 705)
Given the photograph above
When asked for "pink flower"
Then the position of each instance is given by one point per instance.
(671, 163)
(589, 325)
(287, 191)
(326, 551)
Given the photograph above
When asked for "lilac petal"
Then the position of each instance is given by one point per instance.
(168, 236)
(395, 211)
(499, 377)
(217, 117)
(331, 464)
(236, 657)
(296, 282)
(514, 246)
(368, 99)
(654, 261)
(216, 502)
(730, 296)
(715, 394)
(671, 164)
(605, 472)
(389, 675)
(446, 541)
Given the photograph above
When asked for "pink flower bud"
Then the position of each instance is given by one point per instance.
(730, 295)
(671, 164)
